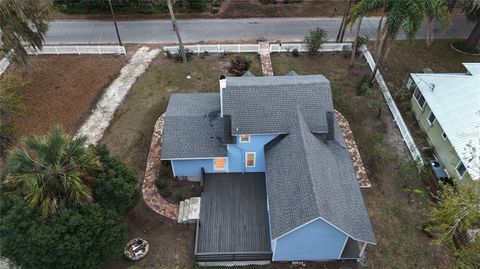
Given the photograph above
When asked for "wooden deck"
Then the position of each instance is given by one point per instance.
(233, 221)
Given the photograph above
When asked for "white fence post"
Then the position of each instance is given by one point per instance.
(198, 49)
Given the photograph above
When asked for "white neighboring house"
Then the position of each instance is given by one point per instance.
(447, 108)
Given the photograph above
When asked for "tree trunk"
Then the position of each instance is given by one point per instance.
(346, 16)
(379, 33)
(474, 37)
(429, 26)
(343, 25)
(383, 47)
(180, 43)
(355, 42)
(115, 23)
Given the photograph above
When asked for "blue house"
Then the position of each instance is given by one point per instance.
(278, 181)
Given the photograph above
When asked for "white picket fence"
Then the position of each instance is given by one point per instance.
(407, 137)
(57, 50)
(240, 48)
(216, 48)
(302, 47)
(87, 49)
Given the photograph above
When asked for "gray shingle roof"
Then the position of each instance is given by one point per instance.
(318, 178)
(260, 105)
(193, 127)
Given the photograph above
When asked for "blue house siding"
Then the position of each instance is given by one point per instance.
(189, 168)
(236, 153)
(315, 241)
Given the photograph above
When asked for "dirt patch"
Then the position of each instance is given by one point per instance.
(62, 89)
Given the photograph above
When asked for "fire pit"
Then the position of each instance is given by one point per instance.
(136, 249)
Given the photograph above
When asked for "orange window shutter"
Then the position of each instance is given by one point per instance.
(220, 163)
(250, 159)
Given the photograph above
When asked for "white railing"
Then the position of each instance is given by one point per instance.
(216, 48)
(407, 137)
(302, 47)
(88, 49)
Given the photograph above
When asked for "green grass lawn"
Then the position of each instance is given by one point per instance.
(395, 221)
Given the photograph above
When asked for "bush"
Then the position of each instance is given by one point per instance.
(169, 54)
(188, 55)
(346, 51)
(363, 86)
(315, 39)
(216, 3)
(117, 185)
(10, 88)
(239, 65)
(73, 238)
(165, 193)
(295, 53)
(178, 196)
(362, 40)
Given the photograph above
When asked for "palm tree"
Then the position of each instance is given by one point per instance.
(471, 8)
(436, 10)
(51, 169)
(23, 23)
(406, 14)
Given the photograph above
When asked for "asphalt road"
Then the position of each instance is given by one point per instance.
(215, 30)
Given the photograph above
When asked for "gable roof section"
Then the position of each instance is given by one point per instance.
(262, 105)
(455, 102)
(193, 127)
(316, 177)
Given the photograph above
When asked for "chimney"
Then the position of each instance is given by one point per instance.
(223, 85)
(331, 125)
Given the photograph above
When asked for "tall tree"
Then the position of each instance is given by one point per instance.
(406, 15)
(52, 169)
(471, 8)
(180, 43)
(355, 42)
(23, 23)
(436, 10)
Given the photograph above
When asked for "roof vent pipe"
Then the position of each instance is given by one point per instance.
(223, 85)
(331, 128)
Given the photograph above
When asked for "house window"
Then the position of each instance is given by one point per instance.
(219, 164)
(444, 136)
(431, 118)
(245, 138)
(419, 98)
(250, 159)
(461, 169)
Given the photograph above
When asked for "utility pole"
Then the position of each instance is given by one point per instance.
(180, 43)
(115, 23)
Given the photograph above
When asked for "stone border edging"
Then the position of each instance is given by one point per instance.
(151, 196)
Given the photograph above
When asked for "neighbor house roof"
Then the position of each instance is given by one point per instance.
(193, 127)
(308, 178)
(262, 105)
(455, 101)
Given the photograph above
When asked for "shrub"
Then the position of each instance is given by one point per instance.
(188, 55)
(239, 65)
(75, 237)
(165, 193)
(363, 86)
(362, 40)
(169, 54)
(178, 196)
(216, 3)
(160, 184)
(117, 185)
(346, 51)
(295, 53)
(315, 39)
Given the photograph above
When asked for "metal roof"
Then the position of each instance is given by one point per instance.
(455, 101)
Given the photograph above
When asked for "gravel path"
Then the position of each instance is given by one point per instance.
(94, 127)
